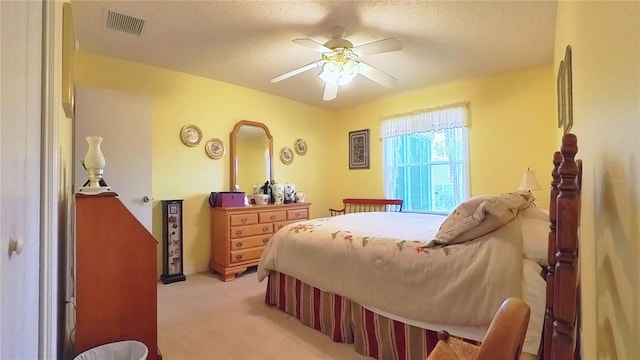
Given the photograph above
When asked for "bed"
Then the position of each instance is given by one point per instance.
(379, 281)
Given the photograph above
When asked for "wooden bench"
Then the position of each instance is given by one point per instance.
(367, 205)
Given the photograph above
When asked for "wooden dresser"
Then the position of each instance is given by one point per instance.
(116, 281)
(239, 234)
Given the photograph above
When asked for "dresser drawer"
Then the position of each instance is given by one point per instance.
(271, 216)
(245, 255)
(243, 219)
(250, 230)
(250, 242)
(298, 214)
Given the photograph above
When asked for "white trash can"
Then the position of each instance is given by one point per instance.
(121, 350)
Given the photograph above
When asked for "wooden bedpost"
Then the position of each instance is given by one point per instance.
(559, 341)
(566, 277)
(551, 258)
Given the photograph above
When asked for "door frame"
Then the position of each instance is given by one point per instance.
(50, 198)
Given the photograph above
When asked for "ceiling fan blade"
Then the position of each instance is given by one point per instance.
(311, 44)
(330, 92)
(376, 75)
(297, 71)
(377, 47)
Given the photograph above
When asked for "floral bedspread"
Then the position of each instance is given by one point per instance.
(381, 260)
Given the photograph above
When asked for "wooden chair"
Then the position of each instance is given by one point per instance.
(503, 340)
(351, 205)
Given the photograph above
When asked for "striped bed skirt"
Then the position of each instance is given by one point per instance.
(344, 321)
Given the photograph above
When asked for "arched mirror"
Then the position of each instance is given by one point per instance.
(251, 155)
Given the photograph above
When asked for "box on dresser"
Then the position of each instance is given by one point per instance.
(226, 199)
(239, 234)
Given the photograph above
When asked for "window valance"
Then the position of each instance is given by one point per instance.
(441, 117)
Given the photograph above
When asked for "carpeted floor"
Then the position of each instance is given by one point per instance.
(205, 318)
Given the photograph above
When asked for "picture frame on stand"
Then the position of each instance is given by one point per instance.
(172, 242)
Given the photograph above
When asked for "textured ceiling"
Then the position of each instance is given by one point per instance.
(248, 43)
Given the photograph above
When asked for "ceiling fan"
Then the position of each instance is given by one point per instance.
(341, 62)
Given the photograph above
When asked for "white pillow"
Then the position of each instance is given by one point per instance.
(481, 215)
(535, 238)
(536, 213)
(534, 290)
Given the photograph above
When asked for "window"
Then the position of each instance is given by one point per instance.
(425, 159)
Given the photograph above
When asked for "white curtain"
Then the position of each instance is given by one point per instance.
(420, 121)
(390, 158)
(441, 117)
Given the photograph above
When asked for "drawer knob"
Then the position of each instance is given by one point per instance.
(239, 232)
(265, 240)
(297, 215)
(239, 257)
(238, 243)
(265, 228)
(272, 217)
(243, 220)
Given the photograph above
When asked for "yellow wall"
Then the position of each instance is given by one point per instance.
(520, 102)
(181, 172)
(605, 41)
(512, 128)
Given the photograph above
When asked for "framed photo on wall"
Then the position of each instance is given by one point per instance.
(565, 92)
(68, 62)
(359, 149)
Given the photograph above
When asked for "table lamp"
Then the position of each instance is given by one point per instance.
(529, 181)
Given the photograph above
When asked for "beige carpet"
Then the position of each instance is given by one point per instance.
(205, 318)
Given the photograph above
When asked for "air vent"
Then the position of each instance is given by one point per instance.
(125, 23)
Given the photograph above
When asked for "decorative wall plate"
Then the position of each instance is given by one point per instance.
(301, 147)
(190, 135)
(214, 148)
(286, 155)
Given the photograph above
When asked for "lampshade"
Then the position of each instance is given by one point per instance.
(339, 67)
(529, 181)
(93, 163)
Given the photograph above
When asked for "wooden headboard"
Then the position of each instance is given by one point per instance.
(351, 205)
(561, 324)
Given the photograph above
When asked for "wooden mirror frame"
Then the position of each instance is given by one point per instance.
(233, 145)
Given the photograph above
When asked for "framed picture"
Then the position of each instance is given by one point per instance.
(565, 92)
(214, 148)
(68, 60)
(359, 149)
(286, 155)
(190, 135)
(301, 147)
(172, 242)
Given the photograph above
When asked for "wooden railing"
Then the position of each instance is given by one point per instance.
(351, 205)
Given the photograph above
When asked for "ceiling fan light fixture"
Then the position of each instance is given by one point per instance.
(340, 67)
(341, 63)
